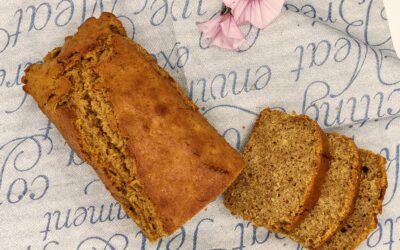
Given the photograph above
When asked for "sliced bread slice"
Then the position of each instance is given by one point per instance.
(286, 160)
(338, 194)
(367, 206)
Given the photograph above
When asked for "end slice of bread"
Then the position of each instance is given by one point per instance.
(286, 161)
(367, 206)
(337, 195)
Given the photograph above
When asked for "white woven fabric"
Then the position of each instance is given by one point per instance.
(332, 60)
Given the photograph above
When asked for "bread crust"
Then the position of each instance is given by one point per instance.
(181, 161)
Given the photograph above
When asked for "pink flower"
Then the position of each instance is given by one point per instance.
(223, 32)
(260, 13)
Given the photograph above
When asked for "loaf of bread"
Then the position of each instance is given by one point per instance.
(129, 119)
(367, 206)
(286, 160)
(338, 194)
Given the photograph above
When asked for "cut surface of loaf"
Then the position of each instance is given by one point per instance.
(367, 206)
(338, 194)
(286, 160)
(129, 119)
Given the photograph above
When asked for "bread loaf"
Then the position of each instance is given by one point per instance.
(129, 119)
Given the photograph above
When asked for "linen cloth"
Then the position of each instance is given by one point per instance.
(332, 60)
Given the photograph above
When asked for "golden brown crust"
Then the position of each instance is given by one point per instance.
(206, 165)
(182, 162)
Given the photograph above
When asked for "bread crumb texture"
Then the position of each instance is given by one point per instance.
(286, 161)
(337, 195)
(368, 204)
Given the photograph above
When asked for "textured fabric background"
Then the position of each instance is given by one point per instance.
(332, 60)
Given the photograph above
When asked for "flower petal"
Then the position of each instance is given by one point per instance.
(226, 42)
(210, 28)
(230, 28)
(222, 32)
(259, 13)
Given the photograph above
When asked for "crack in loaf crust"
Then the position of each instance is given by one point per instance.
(129, 119)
